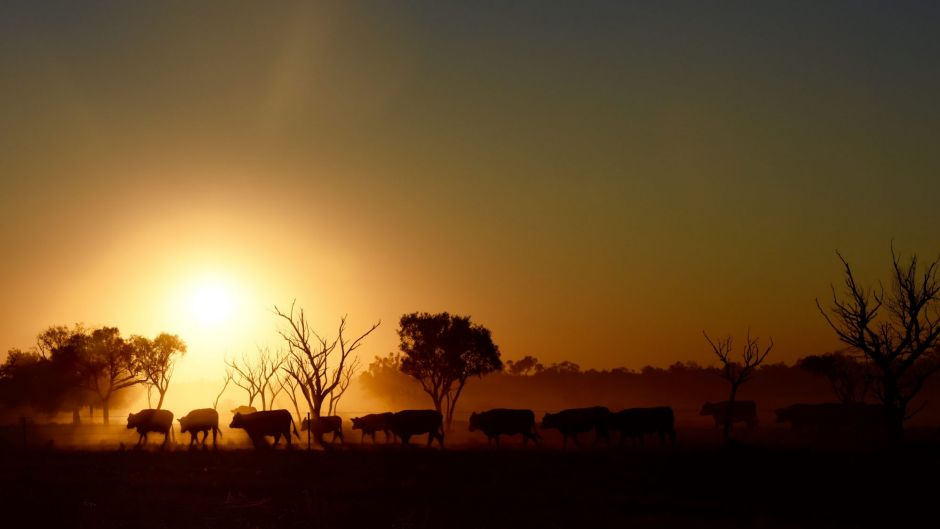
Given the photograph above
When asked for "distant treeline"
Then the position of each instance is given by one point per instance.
(684, 385)
(73, 368)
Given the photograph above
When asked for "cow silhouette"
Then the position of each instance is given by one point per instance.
(244, 410)
(503, 421)
(261, 424)
(635, 423)
(150, 420)
(574, 421)
(202, 421)
(743, 411)
(836, 423)
(372, 423)
(324, 425)
(407, 423)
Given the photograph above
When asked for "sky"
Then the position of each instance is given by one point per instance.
(595, 182)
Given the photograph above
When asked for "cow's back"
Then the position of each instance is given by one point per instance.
(641, 420)
(270, 422)
(324, 424)
(151, 420)
(506, 421)
(374, 422)
(415, 422)
(201, 419)
(577, 420)
(742, 410)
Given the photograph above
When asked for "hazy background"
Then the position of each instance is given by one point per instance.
(595, 184)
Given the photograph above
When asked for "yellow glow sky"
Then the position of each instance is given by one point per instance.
(595, 186)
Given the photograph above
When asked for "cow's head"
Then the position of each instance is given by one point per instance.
(304, 425)
(707, 409)
(131, 420)
(184, 424)
(356, 423)
(783, 415)
(549, 421)
(474, 422)
(237, 421)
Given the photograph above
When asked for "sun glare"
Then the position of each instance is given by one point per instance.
(212, 303)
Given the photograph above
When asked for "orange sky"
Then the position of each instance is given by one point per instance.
(597, 186)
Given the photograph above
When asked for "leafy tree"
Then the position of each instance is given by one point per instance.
(107, 364)
(442, 351)
(524, 366)
(564, 367)
(897, 331)
(156, 361)
(849, 378)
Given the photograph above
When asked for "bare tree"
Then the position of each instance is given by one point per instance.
(897, 331)
(737, 372)
(255, 375)
(225, 382)
(156, 362)
(289, 386)
(343, 385)
(321, 367)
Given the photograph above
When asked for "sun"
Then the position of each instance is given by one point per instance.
(212, 302)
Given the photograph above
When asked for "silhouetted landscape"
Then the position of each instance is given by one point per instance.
(409, 265)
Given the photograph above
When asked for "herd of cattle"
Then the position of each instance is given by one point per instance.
(633, 423)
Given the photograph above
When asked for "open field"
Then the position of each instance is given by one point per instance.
(691, 485)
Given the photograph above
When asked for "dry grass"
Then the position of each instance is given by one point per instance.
(386, 486)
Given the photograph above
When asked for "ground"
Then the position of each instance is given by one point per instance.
(467, 487)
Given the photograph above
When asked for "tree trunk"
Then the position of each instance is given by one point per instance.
(105, 411)
(317, 406)
(894, 412)
(76, 415)
(729, 418)
(160, 401)
(452, 406)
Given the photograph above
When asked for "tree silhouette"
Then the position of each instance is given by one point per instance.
(442, 351)
(737, 373)
(65, 351)
(289, 386)
(256, 375)
(849, 378)
(322, 368)
(524, 366)
(896, 330)
(226, 380)
(107, 364)
(156, 361)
